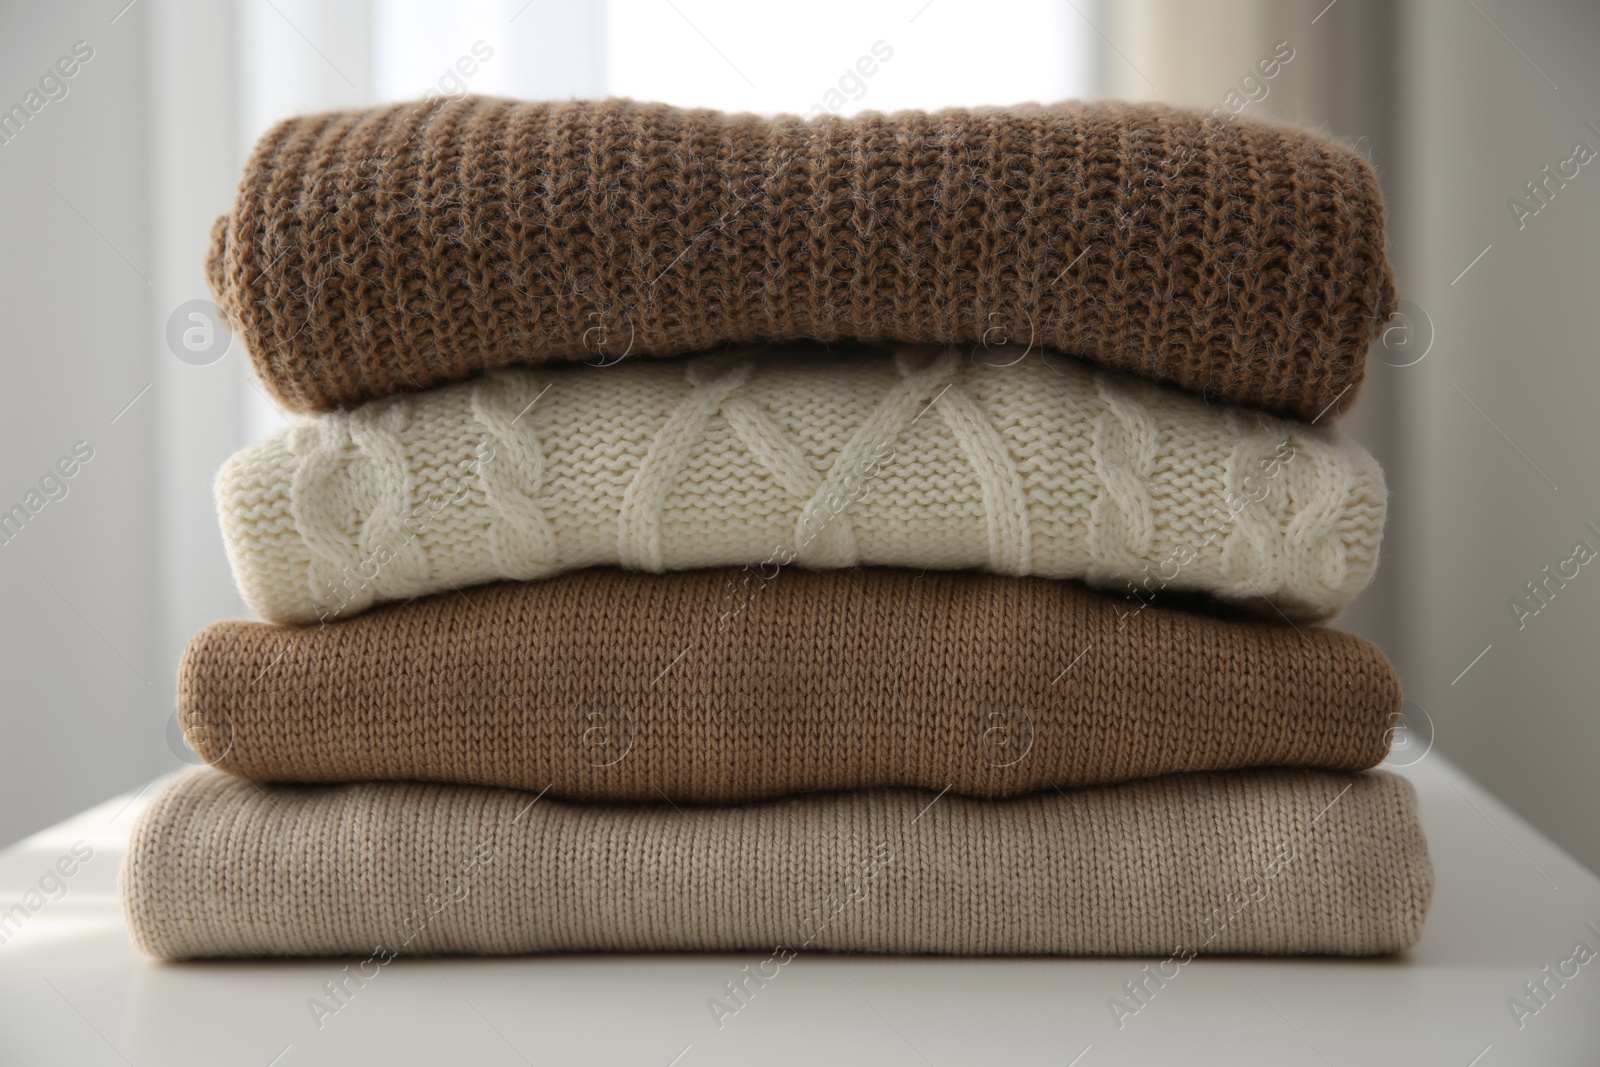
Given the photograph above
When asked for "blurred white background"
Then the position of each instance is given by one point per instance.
(1479, 404)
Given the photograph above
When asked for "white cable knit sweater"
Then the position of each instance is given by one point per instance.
(1004, 461)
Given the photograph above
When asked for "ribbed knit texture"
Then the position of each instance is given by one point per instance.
(1264, 862)
(924, 459)
(407, 245)
(727, 686)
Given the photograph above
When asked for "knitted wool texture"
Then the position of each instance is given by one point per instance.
(924, 459)
(730, 686)
(1260, 862)
(400, 247)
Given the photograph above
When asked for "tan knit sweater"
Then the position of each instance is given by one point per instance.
(395, 248)
(730, 685)
(1261, 862)
(916, 458)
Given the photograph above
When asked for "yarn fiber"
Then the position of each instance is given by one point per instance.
(1262, 862)
(927, 458)
(404, 246)
(728, 686)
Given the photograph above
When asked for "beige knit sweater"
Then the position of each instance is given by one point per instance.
(1005, 461)
(1260, 862)
(727, 686)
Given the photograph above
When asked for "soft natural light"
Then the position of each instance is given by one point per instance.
(523, 48)
(846, 56)
(928, 531)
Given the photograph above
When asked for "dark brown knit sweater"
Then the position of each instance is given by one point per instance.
(396, 248)
(727, 686)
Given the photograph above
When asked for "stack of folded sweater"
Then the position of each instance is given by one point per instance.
(950, 585)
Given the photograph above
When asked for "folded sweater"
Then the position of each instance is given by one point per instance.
(731, 686)
(403, 246)
(926, 459)
(1261, 862)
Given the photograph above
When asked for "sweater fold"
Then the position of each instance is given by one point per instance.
(916, 457)
(405, 246)
(1260, 862)
(736, 685)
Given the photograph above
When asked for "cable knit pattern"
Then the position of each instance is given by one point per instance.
(726, 686)
(409, 245)
(512, 488)
(1261, 862)
(928, 459)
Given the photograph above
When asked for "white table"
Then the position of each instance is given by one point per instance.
(1508, 903)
